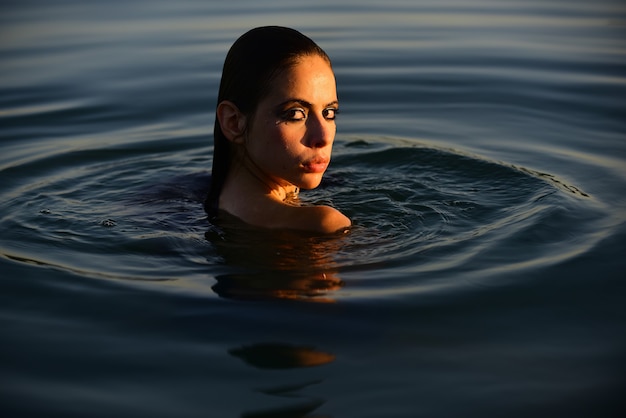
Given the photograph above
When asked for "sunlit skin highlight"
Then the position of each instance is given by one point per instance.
(284, 146)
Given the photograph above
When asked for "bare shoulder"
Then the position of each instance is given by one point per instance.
(323, 219)
(270, 213)
(329, 219)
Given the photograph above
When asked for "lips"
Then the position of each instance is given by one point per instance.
(315, 165)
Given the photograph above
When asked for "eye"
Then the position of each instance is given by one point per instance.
(293, 115)
(330, 113)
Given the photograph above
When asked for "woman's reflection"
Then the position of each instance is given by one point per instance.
(280, 356)
(275, 264)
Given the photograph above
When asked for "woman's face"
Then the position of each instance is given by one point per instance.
(291, 135)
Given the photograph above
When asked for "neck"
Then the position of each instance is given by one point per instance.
(246, 167)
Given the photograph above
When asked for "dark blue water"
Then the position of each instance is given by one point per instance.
(481, 155)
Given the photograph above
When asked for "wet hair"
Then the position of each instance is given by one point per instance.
(251, 65)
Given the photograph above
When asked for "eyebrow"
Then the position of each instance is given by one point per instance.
(306, 104)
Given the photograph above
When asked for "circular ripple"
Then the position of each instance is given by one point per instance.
(424, 217)
(427, 216)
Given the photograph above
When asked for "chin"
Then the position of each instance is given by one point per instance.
(308, 184)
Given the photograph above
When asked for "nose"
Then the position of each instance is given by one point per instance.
(320, 131)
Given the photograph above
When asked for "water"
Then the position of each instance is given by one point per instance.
(480, 154)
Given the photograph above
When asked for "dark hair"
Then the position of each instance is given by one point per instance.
(250, 67)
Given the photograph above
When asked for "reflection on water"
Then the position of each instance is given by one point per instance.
(277, 285)
(279, 356)
(271, 265)
(274, 264)
(300, 410)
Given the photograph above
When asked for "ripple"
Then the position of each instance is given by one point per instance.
(420, 213)
(424, 212)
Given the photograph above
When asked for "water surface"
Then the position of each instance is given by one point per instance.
(480, 155)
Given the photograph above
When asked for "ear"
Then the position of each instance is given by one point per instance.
(232, 121)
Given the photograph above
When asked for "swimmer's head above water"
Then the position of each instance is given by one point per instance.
(274, 131)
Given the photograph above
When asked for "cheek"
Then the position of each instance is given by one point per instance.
(276, 141)
(271, 149)
(285, 138)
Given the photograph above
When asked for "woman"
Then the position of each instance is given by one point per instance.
(274, 130)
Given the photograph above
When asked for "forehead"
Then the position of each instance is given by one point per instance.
(311, 78)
